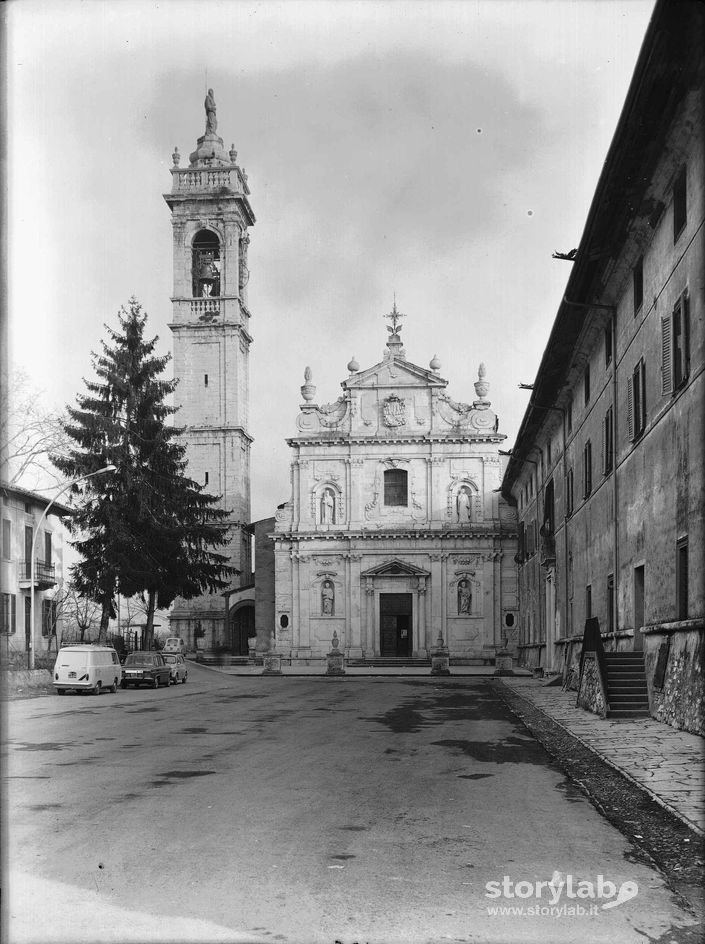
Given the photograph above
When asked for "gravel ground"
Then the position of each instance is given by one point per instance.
(657, 836)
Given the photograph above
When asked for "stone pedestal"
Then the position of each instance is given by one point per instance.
(440, 658)
(272, 662)
(335, 658)
(503, 663)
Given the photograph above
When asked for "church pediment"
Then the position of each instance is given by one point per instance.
(395, 568)
(396, 373)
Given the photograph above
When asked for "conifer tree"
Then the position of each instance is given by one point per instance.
(147, 528)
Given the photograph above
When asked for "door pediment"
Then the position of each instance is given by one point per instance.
(395, 568)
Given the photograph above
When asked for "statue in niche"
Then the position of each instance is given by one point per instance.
(464, 598)
(327, 598)
(327, 507)
(464, 504)
(211, 120)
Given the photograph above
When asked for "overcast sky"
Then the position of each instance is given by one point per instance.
(440, 151)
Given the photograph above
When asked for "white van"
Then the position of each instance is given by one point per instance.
(87, 668)
(175, 644)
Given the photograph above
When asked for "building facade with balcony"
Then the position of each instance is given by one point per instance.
(395, 534)
(211, 216)
(21, 511)
(608, 469)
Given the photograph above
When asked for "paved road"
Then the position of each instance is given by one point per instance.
(307, 810)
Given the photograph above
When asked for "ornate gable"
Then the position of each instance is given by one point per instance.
(395, 568)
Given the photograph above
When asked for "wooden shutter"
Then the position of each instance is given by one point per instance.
(630, 407)
(603, 446)
(666, 356)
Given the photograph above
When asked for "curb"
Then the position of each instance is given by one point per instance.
(627, 776)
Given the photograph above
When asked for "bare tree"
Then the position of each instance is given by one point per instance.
(29, 433)
(80, 616)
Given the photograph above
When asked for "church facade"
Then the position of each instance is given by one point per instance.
(395, 532)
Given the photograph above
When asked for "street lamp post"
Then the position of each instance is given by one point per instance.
(32, 564)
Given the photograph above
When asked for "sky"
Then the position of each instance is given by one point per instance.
(437, 152)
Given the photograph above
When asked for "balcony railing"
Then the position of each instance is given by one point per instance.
(44, 574)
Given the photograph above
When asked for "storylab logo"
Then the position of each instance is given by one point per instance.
(563, 896)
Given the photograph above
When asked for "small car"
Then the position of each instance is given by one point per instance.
(177, 664)
(145, 668)
(175, 644)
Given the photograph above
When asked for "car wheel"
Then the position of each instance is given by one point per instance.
(123, 684)
(113, 687)
(155, 682)
(183, 680)
(96, 688)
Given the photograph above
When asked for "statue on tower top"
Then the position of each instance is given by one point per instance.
(211, 120)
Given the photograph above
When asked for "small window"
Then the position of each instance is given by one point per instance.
(569, 496)
(636, 401)
(47, 549)
(680, 204)
(638, 284)
(610, 603)
(395, 487)
(548, 455)
(48, 617)
(8, 613)
(205, 380)
(586, 384)
(28, 508)
(682, 579)
(6, 539)
(283, 621)
(205, 479)
(608, 344)
(608, 442)
(587, 469)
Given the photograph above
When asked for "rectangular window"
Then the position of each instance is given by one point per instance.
(682, 580)
(675, 346)
(205, 380)
(6, 539)
(47, 548)
(48, 617)
(610, 603)
(638, 284)
(680, 204)
(608, 344)
(569, 498)
(8, 613)
(205, 479)
(395, 487)
(588, 602)
(28, 537)
(608, 442)
(636, 401)
(548, 454)
(587, 469)
(586, 384)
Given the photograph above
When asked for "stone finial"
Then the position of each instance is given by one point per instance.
(353, 365)
(481, 385)
(435, 364)
(176, 157)
(335, 642)
(308, 390)
(233, 154)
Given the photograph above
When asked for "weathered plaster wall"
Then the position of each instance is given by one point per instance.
(680, 702)
(590, 694)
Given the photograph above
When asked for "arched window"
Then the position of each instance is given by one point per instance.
(396, 490)
(205, 264)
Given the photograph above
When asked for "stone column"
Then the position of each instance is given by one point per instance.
(421, 619)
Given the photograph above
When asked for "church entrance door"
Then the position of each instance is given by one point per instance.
(395, 622)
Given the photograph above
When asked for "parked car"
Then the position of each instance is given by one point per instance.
(175, 644)
(86, 668)
(177, 664)
(145, 668)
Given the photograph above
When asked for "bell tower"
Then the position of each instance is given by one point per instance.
(211, 216)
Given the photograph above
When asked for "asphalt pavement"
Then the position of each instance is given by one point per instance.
(380, 809)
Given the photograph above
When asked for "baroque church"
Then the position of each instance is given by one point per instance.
(395, 532)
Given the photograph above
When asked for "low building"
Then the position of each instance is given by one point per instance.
(22, 512)
(395, 534)
(607, 472)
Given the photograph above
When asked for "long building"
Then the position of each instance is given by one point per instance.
(608, 469)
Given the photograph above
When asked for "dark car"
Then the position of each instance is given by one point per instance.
(145, 668)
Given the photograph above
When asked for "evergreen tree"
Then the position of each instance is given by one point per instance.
(147, 528)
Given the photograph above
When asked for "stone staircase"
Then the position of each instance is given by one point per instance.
(627, 692)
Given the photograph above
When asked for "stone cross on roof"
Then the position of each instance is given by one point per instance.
(395, 316)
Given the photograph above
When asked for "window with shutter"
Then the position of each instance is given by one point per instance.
(680, 342)
(666, 357)
(630, 408)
